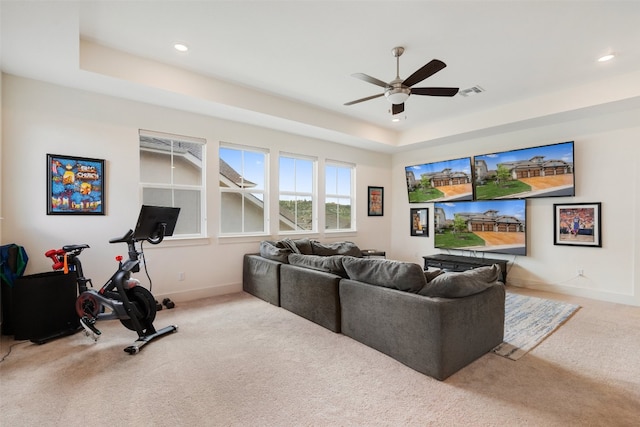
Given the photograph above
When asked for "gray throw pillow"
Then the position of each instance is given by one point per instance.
(404, 276)
(430, 275)
(462, 284)
(338, 248)
(304, 246)
(328, 264)
(274, 251)
(290, 244)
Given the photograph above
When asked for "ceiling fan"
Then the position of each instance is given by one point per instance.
(397, 90)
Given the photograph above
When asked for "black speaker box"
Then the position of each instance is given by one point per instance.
(44, 306)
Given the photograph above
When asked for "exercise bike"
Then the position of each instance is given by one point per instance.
(121, 297)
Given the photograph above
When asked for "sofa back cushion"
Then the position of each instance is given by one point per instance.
(462, 284)
(328, 264)
(338, 248)
(274, 251)
(404, 276)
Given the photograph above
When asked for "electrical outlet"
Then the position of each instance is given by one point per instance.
(580, 271)
(181, 276)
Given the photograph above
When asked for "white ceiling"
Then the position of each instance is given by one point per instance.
(288, 65)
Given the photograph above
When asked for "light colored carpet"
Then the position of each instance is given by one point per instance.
(528, 321)
(239, 361)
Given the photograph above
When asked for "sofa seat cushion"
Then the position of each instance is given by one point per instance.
(404, 276)
(461, 284)
(338, 248)
(328, 264)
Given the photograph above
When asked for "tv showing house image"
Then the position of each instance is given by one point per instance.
(497, 226)
(544, 171)
(439, 181)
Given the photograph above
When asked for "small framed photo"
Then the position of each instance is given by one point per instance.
(420, 222)
(577, 224)
(75, 185)
(376, 201)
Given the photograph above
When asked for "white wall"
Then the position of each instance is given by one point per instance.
(607, 159)
(40, 118)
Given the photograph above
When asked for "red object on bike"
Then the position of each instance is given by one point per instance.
(54, 254)
(119, 258)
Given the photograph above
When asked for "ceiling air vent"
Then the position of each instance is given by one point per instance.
(471, 91)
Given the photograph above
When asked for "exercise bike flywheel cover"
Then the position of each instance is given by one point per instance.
(87, 305)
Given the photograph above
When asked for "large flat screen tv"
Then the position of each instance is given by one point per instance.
(544, 171)
(438, 181)
(497, 226)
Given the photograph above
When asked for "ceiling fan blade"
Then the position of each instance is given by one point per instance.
(364, 99)
(426, 71)
(397, 108)
(370, 79)
(434, 91)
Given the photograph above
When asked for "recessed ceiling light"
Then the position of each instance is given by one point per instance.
(180, 47)
(606, 57)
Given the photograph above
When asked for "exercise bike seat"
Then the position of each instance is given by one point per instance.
(72, 248)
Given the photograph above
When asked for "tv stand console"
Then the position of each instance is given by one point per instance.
(463, 263)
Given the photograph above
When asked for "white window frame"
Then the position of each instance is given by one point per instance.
(313, 195)
(247, 192)
(351, 196)
(172, 186)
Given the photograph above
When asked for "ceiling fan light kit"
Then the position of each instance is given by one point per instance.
(398, 90)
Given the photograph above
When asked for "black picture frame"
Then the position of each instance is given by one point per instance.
(75, 185)
(577, 224)
(375, 201)
(419, 222)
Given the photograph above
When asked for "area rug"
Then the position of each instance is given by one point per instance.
(528, 321)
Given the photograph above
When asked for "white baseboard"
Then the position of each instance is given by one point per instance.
(576, 291)
(196, 294)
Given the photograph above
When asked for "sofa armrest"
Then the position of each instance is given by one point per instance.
(435, 336)
(261, 278)
(312, 294)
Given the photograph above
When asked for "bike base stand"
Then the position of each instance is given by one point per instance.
(144, 340)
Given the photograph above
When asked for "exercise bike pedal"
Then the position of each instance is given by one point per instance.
(89, 328)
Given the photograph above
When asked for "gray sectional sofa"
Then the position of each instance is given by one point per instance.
(435, 325)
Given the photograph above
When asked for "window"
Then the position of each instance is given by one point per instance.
(172, 174)
(339, 200)
(243, 195)
(297, 188)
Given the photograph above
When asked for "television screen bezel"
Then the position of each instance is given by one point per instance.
(443, 165)
(532, 194)
(149, 219)
(482, 206)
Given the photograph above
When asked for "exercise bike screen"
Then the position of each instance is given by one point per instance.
(151, 217)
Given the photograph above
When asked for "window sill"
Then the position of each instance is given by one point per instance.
(174, 242)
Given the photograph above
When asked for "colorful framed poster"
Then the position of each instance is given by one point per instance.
(577, 224)
(376, 201)
(75, 185)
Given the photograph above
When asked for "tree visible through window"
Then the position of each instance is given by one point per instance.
(339, 196)
(243, 201)
(172, 174)
(296, 202)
